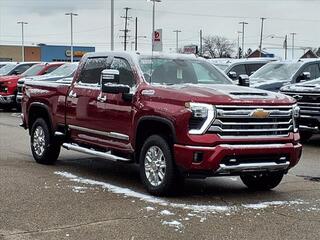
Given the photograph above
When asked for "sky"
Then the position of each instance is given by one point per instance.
(48, 24)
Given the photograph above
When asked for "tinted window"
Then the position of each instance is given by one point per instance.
(313, 69)
(21, 69)
(251, 68)
(126, 74)
(92, 70)
(239, 69)
(50, 69)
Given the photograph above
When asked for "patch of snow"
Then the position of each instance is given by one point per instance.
(263, 205)
(175, 224)
(150, 209)
(166, 213)
(144, 197)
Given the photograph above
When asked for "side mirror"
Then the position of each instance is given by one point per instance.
(305, 76)
(244, 80)
(232, 75)
(110, 82)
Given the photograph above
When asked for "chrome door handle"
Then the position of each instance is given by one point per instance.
(102, 99)
(72, 94)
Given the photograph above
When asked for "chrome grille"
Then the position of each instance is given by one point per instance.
(309, 103)
(241, 122)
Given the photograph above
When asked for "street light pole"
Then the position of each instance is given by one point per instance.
(243, 24)
(293, 35)
(261, 36)
(177, 39)
(71, 33)
(22, 39)
(153, 20)
(112, 25)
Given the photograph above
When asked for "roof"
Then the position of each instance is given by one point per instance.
(241, 60)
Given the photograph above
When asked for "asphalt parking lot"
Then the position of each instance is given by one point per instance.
(86, 198)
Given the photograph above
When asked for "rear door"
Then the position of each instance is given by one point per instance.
(312, 68)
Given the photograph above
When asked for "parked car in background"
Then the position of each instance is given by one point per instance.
(2, 64)
(307, 95)
(15, 68)
(65, 71)
(277, 74)
(175, 115)
(236, 67)
(8, 84)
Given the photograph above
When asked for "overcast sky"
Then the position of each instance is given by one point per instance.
(48, 24)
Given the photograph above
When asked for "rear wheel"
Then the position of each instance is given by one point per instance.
(157, 169)
(45, 149)
(262, 181)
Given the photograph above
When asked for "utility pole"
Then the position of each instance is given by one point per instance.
(136, 35)
(261, 36)
(201, 47)
(112, 25)
(243, 24)
(126, 18)
(285, 45)
(177, 39)
(293, 35)
(71, 35)
(22, 39)
(239, 32)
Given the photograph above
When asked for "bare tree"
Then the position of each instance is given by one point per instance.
(218, 47)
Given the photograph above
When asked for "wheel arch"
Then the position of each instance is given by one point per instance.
(39, 110)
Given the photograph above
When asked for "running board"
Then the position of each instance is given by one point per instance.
(105, 155)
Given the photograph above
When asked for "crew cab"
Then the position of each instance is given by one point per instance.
(15, 68)
(8, 84)
(275, 75)
(307, 95)
(176, 116)
(51, 72)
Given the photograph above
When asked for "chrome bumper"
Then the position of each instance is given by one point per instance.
(252, 167)
(7, 99)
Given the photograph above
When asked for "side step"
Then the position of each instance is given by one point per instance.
(105, 155)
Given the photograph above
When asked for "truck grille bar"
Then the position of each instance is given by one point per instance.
(245, 121)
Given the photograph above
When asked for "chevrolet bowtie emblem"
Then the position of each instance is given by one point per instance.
(260, 113)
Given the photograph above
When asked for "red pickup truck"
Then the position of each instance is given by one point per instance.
(176, 116)
(8, 84)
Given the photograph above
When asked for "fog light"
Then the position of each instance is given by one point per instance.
(198, 157)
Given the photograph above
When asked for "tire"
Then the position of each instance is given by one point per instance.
(160, 163)
(45, 149)
(262, 181)
(305, 136)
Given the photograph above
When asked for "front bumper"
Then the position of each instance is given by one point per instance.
(19, 98)
(9, 99)
(308, 123)
(235, 159)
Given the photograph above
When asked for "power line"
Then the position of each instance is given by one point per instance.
(125, 30)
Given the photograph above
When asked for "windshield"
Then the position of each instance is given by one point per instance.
(33, 71)
(7, 69)
(181, 71)
(276, 71)
(65, 70)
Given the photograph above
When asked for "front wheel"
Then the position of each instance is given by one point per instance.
(262, 181)
(157, 169)
(45, 149)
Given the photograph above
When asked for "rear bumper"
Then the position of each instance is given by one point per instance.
(19, 98)
(234, 159)
(8, 99)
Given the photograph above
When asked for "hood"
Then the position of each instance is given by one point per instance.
(10, 78)
(270, 85)
(219, 94)
(309, 86)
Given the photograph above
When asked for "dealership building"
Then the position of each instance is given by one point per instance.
(43, 53)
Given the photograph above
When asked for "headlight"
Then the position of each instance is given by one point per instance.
(295, 116)
(202, 116)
